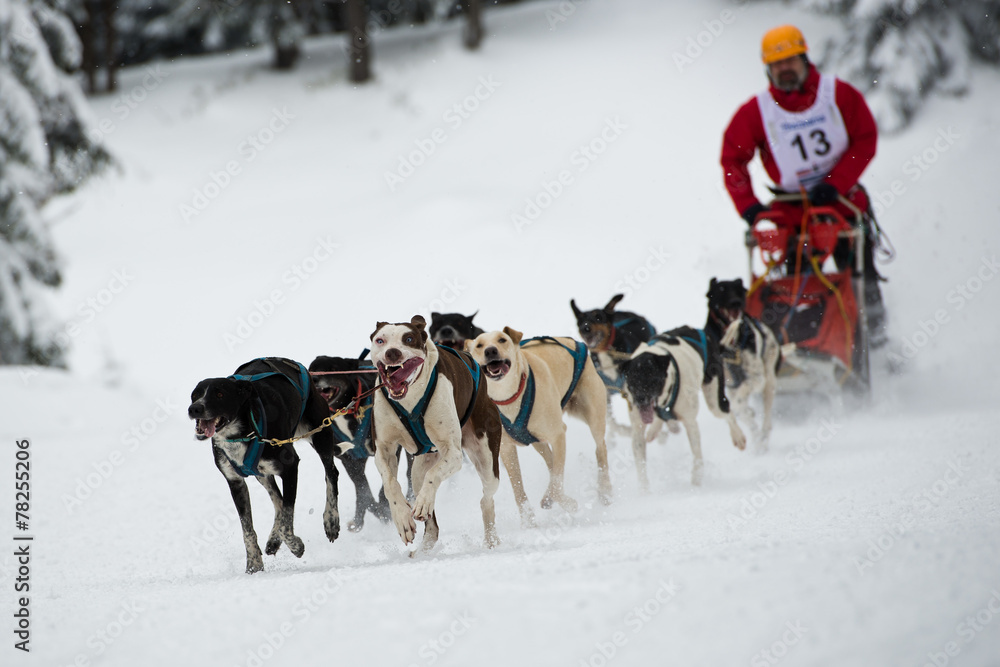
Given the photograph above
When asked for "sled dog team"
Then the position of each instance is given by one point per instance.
(447, 390)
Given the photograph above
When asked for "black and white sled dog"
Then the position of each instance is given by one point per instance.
(266, 399)
(662, 381)
(612, 336)
(453, 329)
(341, 382)
(751, 353)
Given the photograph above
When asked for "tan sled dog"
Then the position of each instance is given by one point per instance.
(533, 382)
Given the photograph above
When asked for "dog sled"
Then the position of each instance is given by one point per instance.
(807, 282)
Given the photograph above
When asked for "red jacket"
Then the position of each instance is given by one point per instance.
(745, 136)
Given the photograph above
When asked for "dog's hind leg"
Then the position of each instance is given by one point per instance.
(718, 405)
(508, 453)
(431, 532)
(482, 457)
(324, 445)
(770, 387)
(362, 491)
(694, 439)
(284, 511)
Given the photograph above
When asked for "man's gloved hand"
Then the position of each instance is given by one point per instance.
(823, 194)
(750, 215)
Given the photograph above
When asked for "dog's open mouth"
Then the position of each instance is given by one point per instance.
(646, 413)
(497, 369)
(731, 314)
(206, 428)
(329, 394)
(397, 378)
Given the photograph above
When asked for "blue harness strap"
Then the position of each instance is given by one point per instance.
(414, 421)
(701, 344)
(518, 429)
(615, 385)
(579, 353)
(258, 419)
(666, 412)
(361, 433)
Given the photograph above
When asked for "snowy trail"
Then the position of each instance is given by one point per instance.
(860, 539)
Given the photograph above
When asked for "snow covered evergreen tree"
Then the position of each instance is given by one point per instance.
(44, 150)
(900, 51)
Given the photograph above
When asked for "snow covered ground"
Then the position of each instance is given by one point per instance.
(252, 215)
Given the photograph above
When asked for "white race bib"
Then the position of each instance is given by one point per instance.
(806, 145)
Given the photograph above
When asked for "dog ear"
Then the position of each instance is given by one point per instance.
(418, 321)
(513, 334)
(472, 316)
(435, 316)
(610, 307)
(576, 311)
(378, 326)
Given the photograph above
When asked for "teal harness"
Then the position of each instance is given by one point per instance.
(518, 429)
(361, 433)
(258, 419)
(413, 420)
(666, 412)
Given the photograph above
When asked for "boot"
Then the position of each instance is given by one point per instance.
(875, 310)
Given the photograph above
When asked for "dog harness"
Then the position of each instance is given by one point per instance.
(666, 412)
(258, 419)
(413, 421)
(619, 383)
(361, 433)
(701, 345)
(518, 429)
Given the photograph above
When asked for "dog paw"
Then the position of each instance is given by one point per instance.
(741, 443)
(272, 546)
(296, 546)
(492, 540)
(546, 503)
(355, 526)
(331, 525)
(568, 504)
(424, 507)
(254, 564)
(406, 527)
(605, 498)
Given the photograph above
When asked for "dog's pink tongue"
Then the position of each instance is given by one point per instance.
(206, 427)
(646, 412)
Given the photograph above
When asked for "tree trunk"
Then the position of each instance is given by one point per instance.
(473, 34)
(110, 61)
(359, 47)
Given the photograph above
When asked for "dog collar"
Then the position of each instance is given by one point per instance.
(517, 394)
